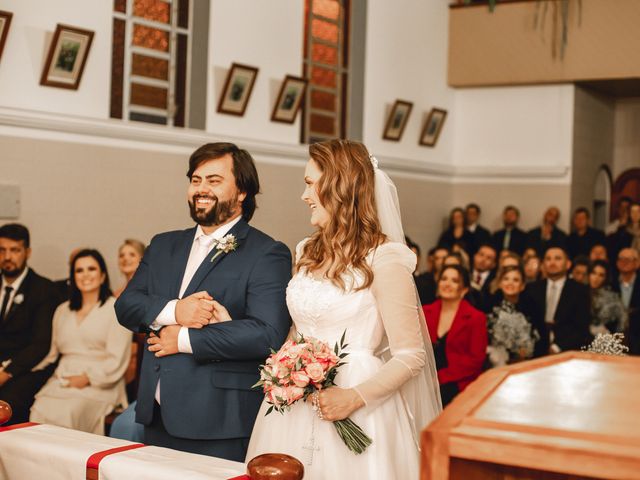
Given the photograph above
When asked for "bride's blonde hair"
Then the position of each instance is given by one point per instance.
(346, 190)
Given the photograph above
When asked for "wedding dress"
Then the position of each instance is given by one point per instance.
(385, 314)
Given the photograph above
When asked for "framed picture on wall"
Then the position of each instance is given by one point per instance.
(289, 99)
(5, 23)
(432, 127)
(397, 120)
(237, 89)
(67, 57)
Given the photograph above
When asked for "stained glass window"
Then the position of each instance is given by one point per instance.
(326, 68)
(149, 60)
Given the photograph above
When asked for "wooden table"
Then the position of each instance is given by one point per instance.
(567, 416)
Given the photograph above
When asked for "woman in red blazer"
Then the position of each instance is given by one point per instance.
(458, 333)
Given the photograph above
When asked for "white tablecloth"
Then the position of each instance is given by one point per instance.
(54, 453)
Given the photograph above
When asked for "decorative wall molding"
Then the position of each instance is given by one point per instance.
(118, 133)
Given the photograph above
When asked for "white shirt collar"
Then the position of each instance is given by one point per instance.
(630, 282)
(559, 283)
(219, 232)
(17, 282)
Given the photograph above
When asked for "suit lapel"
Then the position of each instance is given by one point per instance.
(21, 291)
(180, 257)
(240, 231)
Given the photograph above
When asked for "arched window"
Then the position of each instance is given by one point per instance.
(326, 66)
(149, 66)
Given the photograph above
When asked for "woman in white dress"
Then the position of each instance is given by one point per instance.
(354, 274)
(94, 352)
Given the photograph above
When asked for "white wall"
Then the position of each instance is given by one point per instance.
(514, 126)
(267, 35)
(32, 27)
(406, 58)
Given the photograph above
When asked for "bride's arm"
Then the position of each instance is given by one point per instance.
(395, 293)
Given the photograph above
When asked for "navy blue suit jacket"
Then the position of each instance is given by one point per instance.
(208, 395)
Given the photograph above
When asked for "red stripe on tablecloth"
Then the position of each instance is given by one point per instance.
(241, 477)
(17, 426)
(94, 460)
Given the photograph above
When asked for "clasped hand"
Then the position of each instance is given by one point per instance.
(200, 309)
(337, 403)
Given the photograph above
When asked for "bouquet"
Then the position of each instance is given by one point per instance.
(512, 337)
(303, 366)
(608, 344)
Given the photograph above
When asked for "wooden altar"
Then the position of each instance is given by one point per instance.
(574, 415)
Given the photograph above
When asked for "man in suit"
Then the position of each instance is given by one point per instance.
(482, 273)
(510, 237)
(213, 298)
(583, 236)
(564, 303)
(627, 285)
(548, 234)
(27, 303)
(479, 234)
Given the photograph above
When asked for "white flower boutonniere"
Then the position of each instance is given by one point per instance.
(18, 299)
(226, 244)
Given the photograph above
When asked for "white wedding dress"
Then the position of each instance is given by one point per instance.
(385, 313)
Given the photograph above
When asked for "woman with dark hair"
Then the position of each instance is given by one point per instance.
(354, 277)
(93, 352)
(608, 314)
(457, 233)
(458, 332)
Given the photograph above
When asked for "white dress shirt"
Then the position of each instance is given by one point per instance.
(553, 298)
(15, 286)
(168, 314)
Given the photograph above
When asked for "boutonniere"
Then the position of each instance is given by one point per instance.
(18, 299)
(226, 244)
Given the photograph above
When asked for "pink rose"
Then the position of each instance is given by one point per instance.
(278, 396)
(315, 372)
(300, 379)
(294, 394)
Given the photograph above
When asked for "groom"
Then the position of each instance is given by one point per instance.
(213, 301)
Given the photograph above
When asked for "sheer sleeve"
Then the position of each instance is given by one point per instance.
(395, 293)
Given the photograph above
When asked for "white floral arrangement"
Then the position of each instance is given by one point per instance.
(512, 336)
(608, 344)
(226, 244)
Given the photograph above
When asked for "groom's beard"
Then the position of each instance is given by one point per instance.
(219, 213)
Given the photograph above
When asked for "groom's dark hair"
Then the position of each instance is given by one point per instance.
(243, 169)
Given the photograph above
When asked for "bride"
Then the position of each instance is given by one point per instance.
(354, 274)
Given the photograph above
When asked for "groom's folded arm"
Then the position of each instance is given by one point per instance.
(266, 322)
(136, 308)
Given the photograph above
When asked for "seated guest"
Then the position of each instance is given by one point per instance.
(628, 285)
(580, 269)
(507, 306)
(458, 332)
(479, 234)
(63, 285)
(507, 259)
(627, 235)
(129, 255)
(93, 352)
(583, 236)
(598, 252)
(622, 215)
(483, 272)
(457, 233)
(542, 237)
(510, 237)
(564, 303)
(27, 304)
(425, 284)
(532, 269)
(608, 314)
(459, 250)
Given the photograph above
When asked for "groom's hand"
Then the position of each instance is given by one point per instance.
(194, 311)
(166, 343)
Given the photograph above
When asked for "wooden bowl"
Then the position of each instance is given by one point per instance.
(5, 412)
(272, 466)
